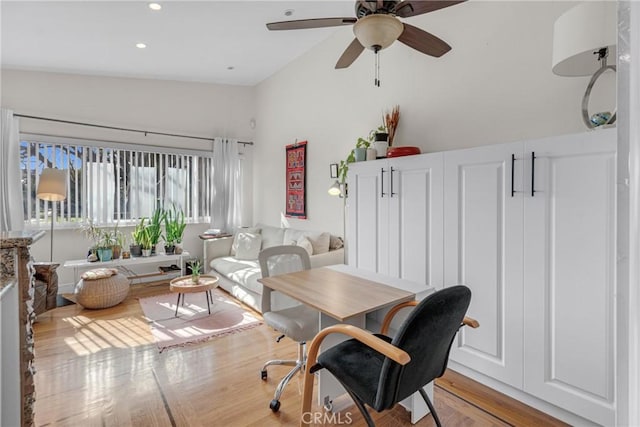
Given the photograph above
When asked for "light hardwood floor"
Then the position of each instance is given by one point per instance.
(101, 368)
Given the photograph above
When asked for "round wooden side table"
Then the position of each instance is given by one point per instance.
(185, 285)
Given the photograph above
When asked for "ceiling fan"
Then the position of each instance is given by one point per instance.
(377, 25)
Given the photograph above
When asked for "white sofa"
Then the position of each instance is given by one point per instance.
(235, 259)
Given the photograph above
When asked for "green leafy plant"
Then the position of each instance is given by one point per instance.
(107, 239)
(92, 232)
(174, 225)
(154, 228)
(195, 270)
(137, 233)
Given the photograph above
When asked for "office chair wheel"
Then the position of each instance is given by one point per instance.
(263, 375)
(274, 405)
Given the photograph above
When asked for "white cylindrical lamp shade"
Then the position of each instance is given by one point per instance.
(377, 31)
(581, 31)
(52, 185)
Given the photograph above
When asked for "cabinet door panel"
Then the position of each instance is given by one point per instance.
(367, 213)
(483, 250)
(570, 274)
(415, 219)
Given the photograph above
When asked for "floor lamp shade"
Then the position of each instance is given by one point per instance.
(52, 185)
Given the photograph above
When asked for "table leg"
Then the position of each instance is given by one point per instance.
(208, 305)
(178, 304)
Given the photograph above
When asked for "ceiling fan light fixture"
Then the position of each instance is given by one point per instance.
(378, 31)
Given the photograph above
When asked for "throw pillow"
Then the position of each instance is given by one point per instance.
(248, 246)
(271, 236)
(234, 245)
(319, 241)
(304, 243)
(335, 242)
(99, 273)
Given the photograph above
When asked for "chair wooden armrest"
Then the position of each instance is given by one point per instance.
(365, 337)
(467, 321)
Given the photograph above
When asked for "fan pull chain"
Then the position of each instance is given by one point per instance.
(376, 81)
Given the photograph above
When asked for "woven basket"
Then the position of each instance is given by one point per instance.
(102, 293)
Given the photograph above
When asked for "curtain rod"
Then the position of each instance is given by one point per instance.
(146, 132)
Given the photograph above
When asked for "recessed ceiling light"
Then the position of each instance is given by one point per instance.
(288, 12)
(230, 67)
(155, 6)
(141, 45)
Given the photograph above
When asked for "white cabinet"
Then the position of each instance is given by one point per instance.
(569, 273)
(395, 217)
(483, 250)
(530, 227)
(533, 236)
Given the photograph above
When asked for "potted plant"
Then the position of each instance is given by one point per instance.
(118, 238)
(137, 235)
(379, 138)
(174, 225)
(195, 271)
(360, 152)
(93, 234)
(145, 242)
(154, 228)
(105, 246)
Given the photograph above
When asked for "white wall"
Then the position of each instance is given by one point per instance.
(197, 109)
(494, 86)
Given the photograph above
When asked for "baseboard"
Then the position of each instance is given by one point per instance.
(527, 399)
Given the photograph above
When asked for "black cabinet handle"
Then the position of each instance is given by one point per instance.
(533, 172)
(391, 182)
(382, 171)
(513, 162)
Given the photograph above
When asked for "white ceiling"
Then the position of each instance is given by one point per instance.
(187, 40)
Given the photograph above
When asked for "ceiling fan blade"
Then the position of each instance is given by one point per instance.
(417, 7)
(303, 24)
(350, 54)
(423, 42)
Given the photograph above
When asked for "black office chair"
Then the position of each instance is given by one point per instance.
(380, 371)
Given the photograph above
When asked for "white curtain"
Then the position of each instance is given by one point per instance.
(11, 206)
(226, 211)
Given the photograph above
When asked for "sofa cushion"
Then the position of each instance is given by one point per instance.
(304, 242)
(249, 245)
(271, 236)
(335, 242)
(319, 241)
(234, 245)
(244, 272)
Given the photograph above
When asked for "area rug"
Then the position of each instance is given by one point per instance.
(194, 324)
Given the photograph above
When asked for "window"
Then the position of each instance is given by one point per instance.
(111, 182)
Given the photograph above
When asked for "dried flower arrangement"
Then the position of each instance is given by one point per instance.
(391, 120)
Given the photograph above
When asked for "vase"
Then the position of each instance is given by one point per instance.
(146, 252)
(360, 154)
(195, 278)
(381, 148)
(136, 250)
(116, 251)
(169, 249)
(371, 153)
(105, 254)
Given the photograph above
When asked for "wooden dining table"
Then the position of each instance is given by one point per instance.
(347, 295)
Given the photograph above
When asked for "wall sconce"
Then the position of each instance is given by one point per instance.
(338, 189)
(583, 37)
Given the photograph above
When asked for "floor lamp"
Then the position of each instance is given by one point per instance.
(53, 188)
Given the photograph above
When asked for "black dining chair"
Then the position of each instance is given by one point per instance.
(380, 371)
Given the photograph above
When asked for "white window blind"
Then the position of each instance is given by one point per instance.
(110, 182)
